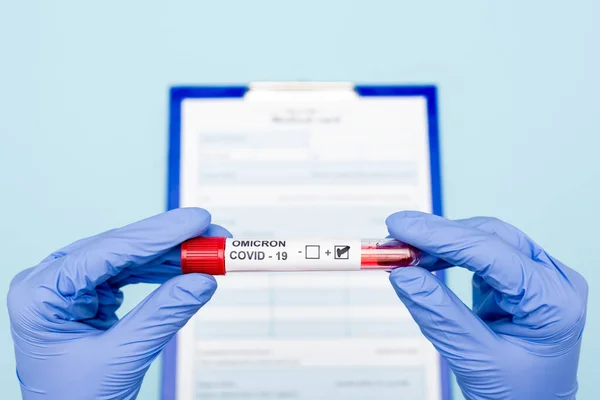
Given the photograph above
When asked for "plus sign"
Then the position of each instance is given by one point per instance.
(328, 252)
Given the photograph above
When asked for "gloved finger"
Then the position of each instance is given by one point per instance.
(485, 302)
(459, 335)
(75, 246)
(569, 284)
(218, 231)
(144, 331)
(503, 267)
(131, 246)
(493, 226)
(514, 237)
(523, 243)
(510, 234)
(164, 267)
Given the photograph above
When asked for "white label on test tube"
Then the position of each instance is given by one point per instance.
(292, 255)
(217, 256)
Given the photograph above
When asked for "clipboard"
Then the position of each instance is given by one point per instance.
(179, 94)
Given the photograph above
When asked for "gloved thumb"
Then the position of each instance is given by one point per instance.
(454, 330)
(144, 331)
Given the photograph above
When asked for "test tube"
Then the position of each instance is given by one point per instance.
(219, 256)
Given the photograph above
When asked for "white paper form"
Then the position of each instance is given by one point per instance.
(305, 164)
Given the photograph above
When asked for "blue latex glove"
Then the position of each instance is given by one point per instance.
(523, 337)
(69, 343)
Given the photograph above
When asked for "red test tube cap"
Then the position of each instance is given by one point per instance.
(203, 255)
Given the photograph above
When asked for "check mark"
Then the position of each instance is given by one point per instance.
(340, 251)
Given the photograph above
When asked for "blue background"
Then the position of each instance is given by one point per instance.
(84, 102)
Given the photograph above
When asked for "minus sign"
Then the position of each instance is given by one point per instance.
(270, 256)
(300, 251)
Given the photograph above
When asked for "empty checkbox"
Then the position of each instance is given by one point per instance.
(312, 252)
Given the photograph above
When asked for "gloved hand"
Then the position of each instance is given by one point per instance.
(69, 343)
(522, 339)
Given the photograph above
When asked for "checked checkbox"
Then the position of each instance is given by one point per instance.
(341, 252)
